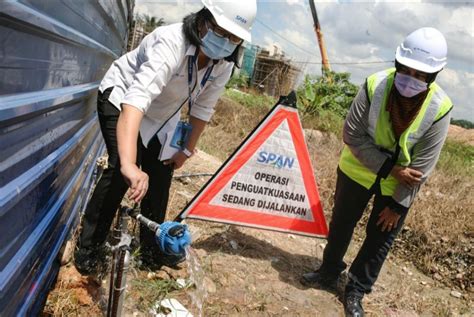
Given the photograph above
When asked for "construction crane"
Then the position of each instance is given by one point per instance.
(319, 35)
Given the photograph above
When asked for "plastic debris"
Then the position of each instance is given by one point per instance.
(170, 308)
(456, 294)
(234, 244)
(181, 282)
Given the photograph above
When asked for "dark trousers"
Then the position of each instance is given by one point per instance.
(111, 187)
(350, 201)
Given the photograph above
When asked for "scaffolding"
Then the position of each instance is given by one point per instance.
(137, 35)
(274, 75)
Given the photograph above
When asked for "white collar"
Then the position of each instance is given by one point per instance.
(191, 50)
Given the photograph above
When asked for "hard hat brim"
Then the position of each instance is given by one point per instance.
(233, 28)
(422, 67)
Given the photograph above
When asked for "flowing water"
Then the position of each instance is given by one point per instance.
(196, 278)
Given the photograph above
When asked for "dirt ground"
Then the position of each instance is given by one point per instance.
(461, 134)
(237, 271)
(250, 272)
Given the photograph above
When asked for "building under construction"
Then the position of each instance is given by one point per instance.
(274, 74)
(137, 34)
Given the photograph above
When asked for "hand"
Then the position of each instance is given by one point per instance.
(388, 219)
(177, 160)
(137, 181)
(406, 176)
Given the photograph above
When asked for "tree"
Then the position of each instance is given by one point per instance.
(463, 123)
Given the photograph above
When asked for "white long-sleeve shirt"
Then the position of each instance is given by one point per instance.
(154, 78)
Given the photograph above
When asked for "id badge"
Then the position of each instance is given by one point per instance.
(181, 135)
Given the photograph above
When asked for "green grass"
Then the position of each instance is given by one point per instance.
(152, 291)
(457, 157)
(326, 121)
(250, 99)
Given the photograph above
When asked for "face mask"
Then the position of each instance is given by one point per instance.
(216, 47)
(408, 86)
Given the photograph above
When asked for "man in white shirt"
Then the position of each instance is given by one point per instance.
(140, 98)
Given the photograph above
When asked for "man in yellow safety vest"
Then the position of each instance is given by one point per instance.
(393, 136)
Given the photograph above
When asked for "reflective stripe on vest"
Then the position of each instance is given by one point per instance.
(376, 96)
(435, 106)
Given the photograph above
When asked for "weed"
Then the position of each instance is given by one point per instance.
(63, 303)
(325, 121)
(150, 292)
(250, 99)
(457, 158)
(238, 81)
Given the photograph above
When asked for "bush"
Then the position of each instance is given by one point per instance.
(240, 80)
(463, 123)
(332, 92)
(325, 101)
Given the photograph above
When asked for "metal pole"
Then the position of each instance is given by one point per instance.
(116, 234)
(121, 261)
(120, 279)
(121, 255)
(319, 36)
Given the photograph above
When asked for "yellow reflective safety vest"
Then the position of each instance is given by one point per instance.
(436, 105)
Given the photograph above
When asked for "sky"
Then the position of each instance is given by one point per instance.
(360, 36)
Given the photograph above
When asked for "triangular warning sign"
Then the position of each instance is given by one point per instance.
(267, 183)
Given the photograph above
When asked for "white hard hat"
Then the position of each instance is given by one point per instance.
(424, 49)
(235, 17)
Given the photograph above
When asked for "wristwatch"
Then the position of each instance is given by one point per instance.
(187, 152)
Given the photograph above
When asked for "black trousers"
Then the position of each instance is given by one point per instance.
(111, 187)
(351, 199)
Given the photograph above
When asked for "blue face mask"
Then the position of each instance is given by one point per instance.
(216, 47)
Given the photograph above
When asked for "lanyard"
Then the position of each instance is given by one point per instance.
(191, 61)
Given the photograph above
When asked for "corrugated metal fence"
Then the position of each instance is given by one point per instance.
(53, 55)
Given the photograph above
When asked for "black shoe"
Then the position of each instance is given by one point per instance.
(172, 261)
(149, 265)
(155, 260)
(149, 260)
(90, 261)
(320, 278)
(353, 306)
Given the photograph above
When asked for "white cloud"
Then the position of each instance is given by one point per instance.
(449, 78)
(459, 18)
(269, 43)
(170, 11)
(298, 38)
(459, 85)
(359, 31)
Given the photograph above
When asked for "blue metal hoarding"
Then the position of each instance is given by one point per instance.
(53, 54)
